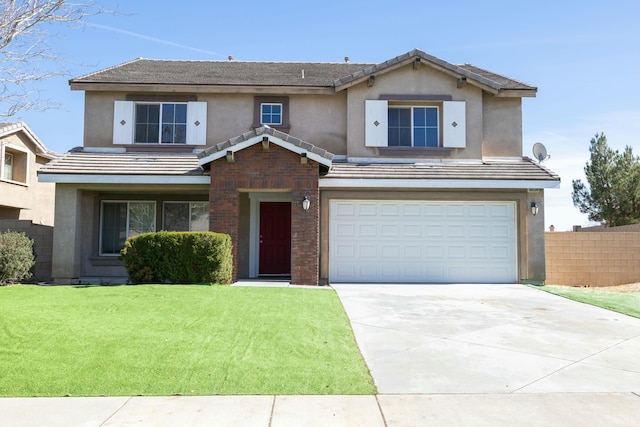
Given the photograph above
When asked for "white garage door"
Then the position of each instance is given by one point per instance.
(422, 241)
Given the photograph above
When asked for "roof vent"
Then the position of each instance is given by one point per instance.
(347, 59)
(230, 57)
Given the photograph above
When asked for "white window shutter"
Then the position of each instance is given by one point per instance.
(454, 124)
(123, 122)
(197, 123)
(376, 118)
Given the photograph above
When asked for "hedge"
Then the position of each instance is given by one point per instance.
(178, 257)
(16, 257)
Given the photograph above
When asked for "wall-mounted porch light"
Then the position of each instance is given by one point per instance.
(306, 203)
(534, 208)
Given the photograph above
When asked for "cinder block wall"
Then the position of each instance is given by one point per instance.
(42, 236)
(592, 258)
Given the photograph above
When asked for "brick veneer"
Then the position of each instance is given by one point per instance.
(277, 168)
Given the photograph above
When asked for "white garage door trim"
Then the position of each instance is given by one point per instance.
(422, 241)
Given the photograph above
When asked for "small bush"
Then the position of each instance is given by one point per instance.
(16, 257)
(178, 257)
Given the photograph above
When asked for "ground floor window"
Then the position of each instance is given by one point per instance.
(123, 219)
(185, 216)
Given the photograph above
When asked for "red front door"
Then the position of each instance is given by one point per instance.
(275, 238)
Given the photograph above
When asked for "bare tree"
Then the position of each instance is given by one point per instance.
(26, 56)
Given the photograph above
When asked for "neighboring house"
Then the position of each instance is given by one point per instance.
(410, 170)
(22, 197)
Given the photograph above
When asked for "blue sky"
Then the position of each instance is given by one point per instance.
(584, 57)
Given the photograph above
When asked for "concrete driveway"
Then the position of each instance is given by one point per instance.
(475, 339)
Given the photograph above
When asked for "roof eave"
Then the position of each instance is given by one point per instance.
(199, 88)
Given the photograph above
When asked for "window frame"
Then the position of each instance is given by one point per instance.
(452, 121)
(271, 114)
(20, 158)
(128, 222)
(258, 101)
(190, 203)
(124, 120)
(7, 166)
(161, 123)
(412, 108)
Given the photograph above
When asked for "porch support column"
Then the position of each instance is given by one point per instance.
(305, 233)
(224, 216)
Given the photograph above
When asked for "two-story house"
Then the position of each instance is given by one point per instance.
(410, 170)
(22, 197)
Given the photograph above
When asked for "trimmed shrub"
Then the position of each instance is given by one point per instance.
(16, 257)
(178, 257)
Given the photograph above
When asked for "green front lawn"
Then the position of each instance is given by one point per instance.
(170, 340)
(626, 303)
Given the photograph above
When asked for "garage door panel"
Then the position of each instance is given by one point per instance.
(422, 241)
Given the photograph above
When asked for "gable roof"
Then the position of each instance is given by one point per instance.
(334, 76)
(9, 128)
(255, 136)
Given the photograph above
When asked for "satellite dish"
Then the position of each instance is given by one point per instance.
(540, 152)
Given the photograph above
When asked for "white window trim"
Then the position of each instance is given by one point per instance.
(26, 152)
(262, 104)
(161, 104)
(102, 203)
(412, 108)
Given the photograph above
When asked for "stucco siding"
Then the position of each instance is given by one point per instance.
(502, 126)
(34, 200)
(407, 81)
(319, 119)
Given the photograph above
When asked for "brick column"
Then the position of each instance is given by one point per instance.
(305, 232)
(224, 215)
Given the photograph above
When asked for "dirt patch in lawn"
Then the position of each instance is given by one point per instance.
(629, 287)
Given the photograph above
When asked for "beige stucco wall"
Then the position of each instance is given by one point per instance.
(407, 81)
(530, 228)
(502, 126)
(77, 232)
(318, 119)
(34, 199)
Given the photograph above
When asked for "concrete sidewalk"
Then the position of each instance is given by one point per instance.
(441, 355)
(564, 409)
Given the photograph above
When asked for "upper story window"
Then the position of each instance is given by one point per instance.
(413, 127)
(7, 169)
(423, 124)
(142, 122)
(272, 111)
(270, 114)
(15, 164)
(161, 123)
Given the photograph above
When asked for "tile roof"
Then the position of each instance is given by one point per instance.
(302, 74)
(266, 130)
(525, 169)
(91, 163)
(227, 73)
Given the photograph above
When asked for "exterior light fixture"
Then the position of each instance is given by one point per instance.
(306, 203)
(534, 208)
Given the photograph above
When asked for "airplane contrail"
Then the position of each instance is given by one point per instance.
(154, 39)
